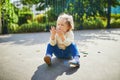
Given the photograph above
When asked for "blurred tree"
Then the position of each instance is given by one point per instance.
(8, 15)
(78, 8)
(39, 3)
(108, 4)
(5, 5)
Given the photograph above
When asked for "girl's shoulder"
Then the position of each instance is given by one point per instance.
(69, 33)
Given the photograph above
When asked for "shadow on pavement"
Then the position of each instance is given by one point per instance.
(25, 39)
(57, 69)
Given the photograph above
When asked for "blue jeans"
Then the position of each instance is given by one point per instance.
(70, 51)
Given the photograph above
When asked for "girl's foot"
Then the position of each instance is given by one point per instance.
(47, 60)
(74, 63)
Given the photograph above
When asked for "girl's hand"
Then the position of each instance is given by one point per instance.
(53, 32)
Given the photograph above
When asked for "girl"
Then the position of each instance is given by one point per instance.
(61, 42)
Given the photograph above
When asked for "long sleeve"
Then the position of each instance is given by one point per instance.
(52, 42)
(69, 38)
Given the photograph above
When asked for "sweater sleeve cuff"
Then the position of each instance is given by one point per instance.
(52, 42)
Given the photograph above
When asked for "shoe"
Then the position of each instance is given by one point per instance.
(74, 63)
(47, 59)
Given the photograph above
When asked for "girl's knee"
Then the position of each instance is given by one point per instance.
(72, 45)
(49, 45)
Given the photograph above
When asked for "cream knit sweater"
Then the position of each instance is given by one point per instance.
(69, 38)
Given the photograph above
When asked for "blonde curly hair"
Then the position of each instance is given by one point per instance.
(68, 18)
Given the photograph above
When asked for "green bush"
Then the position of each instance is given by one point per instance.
(40, 18)
(52, 23)
(99, 23)
(24, 16)
(92, 23)
(33, 27)
(115, 16)
(115, 23)
(13, 28)
(76, 26)
(14, 18)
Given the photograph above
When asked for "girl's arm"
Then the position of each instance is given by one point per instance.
(69, 38)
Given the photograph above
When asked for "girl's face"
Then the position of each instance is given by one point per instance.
(62, 25)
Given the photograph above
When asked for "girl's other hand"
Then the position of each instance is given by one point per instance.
(53, 32)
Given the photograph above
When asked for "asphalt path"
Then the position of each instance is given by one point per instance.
(21, 57)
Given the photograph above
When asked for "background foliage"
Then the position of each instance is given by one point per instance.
(88, 14)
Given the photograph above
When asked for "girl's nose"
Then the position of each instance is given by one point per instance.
(58, 27)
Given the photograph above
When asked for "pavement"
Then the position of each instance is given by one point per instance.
(21, 57)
